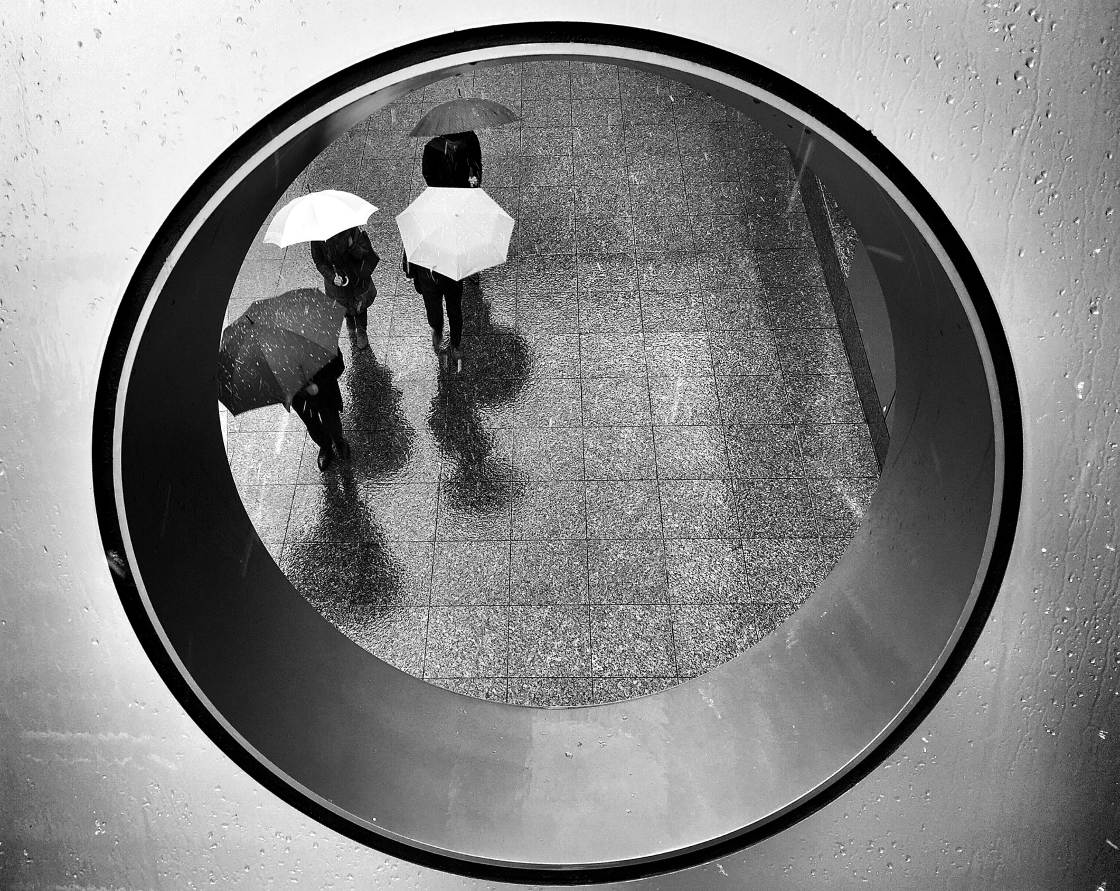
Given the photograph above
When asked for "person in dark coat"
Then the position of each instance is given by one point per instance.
(319, 405)
(437, 290)
(346, 261)
(453, 160)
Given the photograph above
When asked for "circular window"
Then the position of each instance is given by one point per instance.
(654, 446)
(251, 591)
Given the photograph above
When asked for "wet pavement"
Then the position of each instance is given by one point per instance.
(655, 450)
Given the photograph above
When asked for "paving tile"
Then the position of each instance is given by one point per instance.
(732, 311)
(474, 509)
(544, 573)
(728, 271)
(551, 692)
(698, 509)
(549, 87)
(673, 310)
(678, 353)
(545, 68)
(691, 453)
(656, 173)
(546, 275)
(605, 196)
(649, 109)
(547, 403)
(550, 510)
(841, 504)
(555, 355)
(668, 272)
(838, 450)
(471, 573)
(539, 171)
(612, 354)
(543, 236)
(392, 634)
(684, 400)
(782, 569)
(750, 351)
(616, 400)
(619, 453)
(623, 509)
(668, 199)
(626, 572)
(823, 399)
(754, 399)
(631, 641)
(599, 113)
(550, 141)
(707, 196)
(764, 451)
(549, 453)
(492, 689)
(710, 635)
(592, 80)
(466, 642)
(594, 144)
(548, 313)
(609, 311)
(775, 508)
(620, 689)
(549, 641)
(665, 233)
(706, 570)
(599, 235)
(265, 458)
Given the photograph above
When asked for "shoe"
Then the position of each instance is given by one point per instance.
(437, 339)
(361, 342)
(326, 456)
(456, 359)
(342, 448)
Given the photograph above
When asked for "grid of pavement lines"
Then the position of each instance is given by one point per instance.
(655, 451)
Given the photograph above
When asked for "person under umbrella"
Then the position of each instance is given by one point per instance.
(346, 261)
(438, 290)
(319, 406)
(453, 160)
(452, 234)
(284, 350)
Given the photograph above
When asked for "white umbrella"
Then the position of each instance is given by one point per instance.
(456, 232)
(317, 216)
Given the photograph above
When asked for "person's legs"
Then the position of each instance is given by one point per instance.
(331, 422)
(320, 435)
(433, 306)
(453, 295)
(360, 319)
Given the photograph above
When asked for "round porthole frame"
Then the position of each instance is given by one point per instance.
(604, 793)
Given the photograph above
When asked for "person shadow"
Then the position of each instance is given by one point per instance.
(496, 367)
(344, 560)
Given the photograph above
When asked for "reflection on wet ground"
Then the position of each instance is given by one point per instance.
(655, 450)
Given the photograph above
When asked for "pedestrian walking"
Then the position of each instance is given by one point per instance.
(346, 261)
(319, 405)
(453, 160)
(438, 291)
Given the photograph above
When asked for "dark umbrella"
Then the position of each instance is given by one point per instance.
(460, 115)
(272, 351)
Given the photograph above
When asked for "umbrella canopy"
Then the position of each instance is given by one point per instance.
(317, 216)
(271, 351)
(460, 115)
(456, 232)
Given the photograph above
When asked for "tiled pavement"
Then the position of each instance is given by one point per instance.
(655, 451)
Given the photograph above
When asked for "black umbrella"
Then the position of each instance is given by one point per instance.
(460, 115)
(271, 352)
